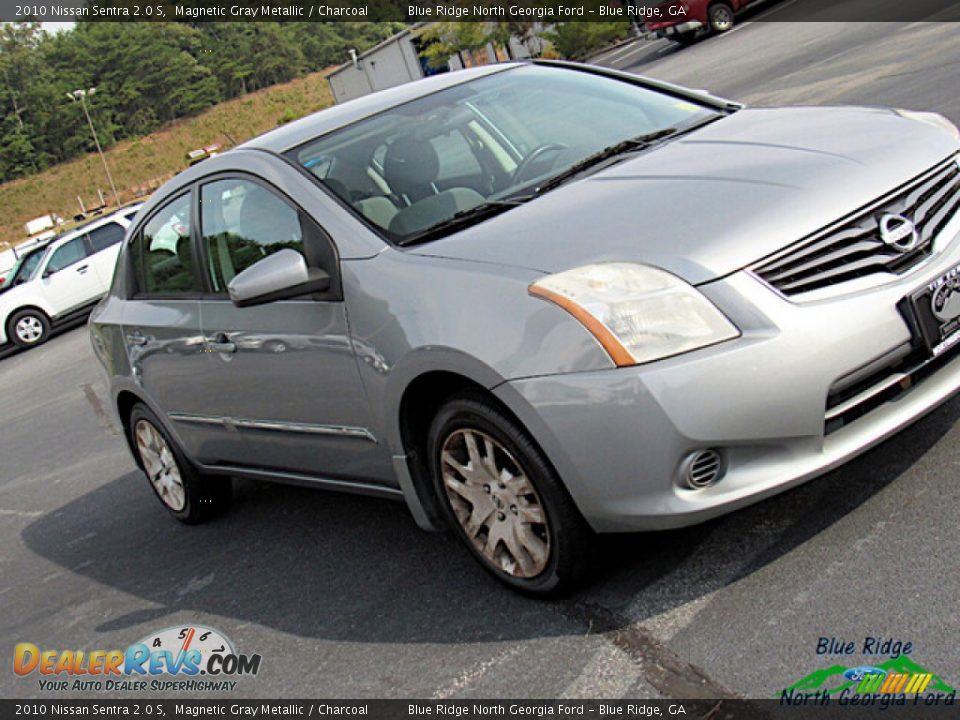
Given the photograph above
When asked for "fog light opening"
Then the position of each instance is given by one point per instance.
(702, 469)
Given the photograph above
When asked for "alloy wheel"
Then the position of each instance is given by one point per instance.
(160, 465)
(495, 503)
(721, 18)
(29, 329)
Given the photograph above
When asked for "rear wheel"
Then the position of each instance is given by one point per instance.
(28, 327)
(721, 17)
(188, 496)
(504, 499)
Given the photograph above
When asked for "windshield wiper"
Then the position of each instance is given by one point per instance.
(465, 218)
(641, 142)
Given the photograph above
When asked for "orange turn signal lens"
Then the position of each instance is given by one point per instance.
(615, 349)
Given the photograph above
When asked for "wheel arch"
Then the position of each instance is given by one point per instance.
(28, 306)
(728, 3)
(420, 401)
(124, 403)
(8, 320)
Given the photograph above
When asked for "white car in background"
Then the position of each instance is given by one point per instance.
(69, 278)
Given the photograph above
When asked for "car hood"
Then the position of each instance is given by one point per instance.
(716, 200)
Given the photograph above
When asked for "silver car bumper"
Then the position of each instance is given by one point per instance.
(619, 438)
(680, 29)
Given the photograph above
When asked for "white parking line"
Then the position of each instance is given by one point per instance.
(624, 51)
(634, 51)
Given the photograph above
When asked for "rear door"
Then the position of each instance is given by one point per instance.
(105, 242)
(68, 279)
(161, 329)
(286, 368)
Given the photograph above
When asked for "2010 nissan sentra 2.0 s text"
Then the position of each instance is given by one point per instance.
(538, 302)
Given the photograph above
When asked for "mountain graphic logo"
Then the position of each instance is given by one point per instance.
(898, 675)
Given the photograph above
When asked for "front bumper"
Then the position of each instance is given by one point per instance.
(678, 29)
(618, 437)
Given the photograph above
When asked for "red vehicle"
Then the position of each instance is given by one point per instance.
(682, 20)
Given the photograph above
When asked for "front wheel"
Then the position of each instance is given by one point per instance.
(186, 494)
(505, 500)
(28, 327)
(721, 17)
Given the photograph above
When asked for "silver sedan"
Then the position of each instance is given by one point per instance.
(538, 302)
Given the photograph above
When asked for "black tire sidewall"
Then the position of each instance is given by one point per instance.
(204, 495)
(476, 413)
(17, 317)
(710, 15)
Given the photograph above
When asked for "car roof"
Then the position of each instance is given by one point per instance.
(300, 131)
(113, 216)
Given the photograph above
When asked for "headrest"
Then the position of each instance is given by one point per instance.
(410, 164)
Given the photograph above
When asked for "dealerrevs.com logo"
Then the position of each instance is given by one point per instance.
(176, 659)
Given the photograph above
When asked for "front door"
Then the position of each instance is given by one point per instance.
(287, 367)
(69, 279)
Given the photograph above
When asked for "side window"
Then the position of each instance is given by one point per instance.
(456, 158)
(67, 254)
(105, 236)
(243, 222)
(162, 254)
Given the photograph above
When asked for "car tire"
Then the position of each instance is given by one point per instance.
(721, 17)
(504, 489)
(28, 327)
(188, 495)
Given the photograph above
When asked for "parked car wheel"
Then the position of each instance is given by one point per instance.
(188, 495)
(721, 17)
(28, 327)
(505, 500)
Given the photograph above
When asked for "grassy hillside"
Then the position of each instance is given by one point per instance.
(154, 157)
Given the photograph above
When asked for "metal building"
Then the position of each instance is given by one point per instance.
(397, 60)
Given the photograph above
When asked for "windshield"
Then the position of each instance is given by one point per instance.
(419, 165)
(24, 268)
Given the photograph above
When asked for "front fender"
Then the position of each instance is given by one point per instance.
(19, 300)
(412, 314)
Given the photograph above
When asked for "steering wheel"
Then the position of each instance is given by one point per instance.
(534, 156)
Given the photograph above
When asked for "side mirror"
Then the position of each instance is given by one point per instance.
(282, 275)
(48, 272)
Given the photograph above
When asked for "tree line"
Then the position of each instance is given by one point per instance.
(146, 75)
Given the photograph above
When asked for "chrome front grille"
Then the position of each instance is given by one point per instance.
(854, 248)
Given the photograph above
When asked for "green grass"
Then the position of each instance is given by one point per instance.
(154, 158)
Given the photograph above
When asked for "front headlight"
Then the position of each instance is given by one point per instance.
(930, 118)
(636, 312)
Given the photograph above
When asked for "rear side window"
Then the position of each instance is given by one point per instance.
(67, 254)
(243, 222)
(162, 253)
(105, 236)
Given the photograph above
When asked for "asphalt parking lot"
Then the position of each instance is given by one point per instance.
(344, 597)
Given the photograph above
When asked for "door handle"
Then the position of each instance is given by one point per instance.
(137, 338)
(82, 269)
(220, 343)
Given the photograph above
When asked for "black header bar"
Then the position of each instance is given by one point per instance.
(546, 11)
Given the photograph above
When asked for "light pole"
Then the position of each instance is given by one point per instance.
(80, 95)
